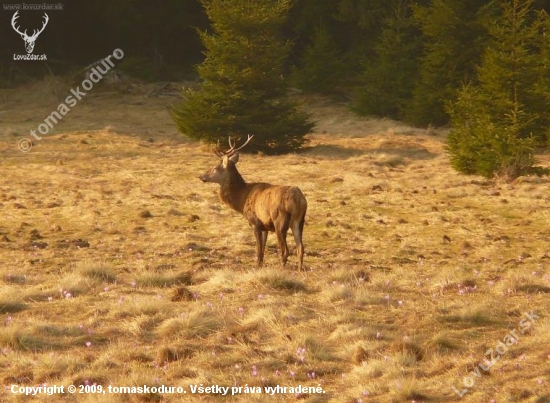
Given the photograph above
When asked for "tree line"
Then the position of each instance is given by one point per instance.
(480, 66)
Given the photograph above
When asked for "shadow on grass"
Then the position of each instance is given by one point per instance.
(331, 151)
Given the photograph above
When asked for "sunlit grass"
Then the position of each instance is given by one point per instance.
(412, 272)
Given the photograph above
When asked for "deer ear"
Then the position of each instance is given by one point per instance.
(235, 158)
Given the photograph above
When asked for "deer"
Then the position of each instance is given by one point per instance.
(268, 208)
(29, 40)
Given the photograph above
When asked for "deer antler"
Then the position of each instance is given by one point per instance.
(34, 35)
(24, 34)
(232, 151)
(15, 17)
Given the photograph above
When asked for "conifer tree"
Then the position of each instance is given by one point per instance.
(453, 43)
(387, 80)
(322, 65)
(497, 123)
(243, 90)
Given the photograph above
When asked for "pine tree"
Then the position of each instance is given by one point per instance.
(322, 65)
(243, 91)
(454, 39)
(387, 80)
(497, 123)
(477, 144)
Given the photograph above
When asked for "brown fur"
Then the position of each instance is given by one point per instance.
(268, 208)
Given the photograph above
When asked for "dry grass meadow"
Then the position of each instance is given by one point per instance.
(119, 267)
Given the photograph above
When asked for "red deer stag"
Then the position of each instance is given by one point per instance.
(266, 207)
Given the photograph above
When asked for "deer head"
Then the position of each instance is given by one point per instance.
(219, 173)
(29, 40)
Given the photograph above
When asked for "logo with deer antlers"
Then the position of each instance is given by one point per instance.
(29, 40)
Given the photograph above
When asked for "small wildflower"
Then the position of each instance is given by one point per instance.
(540, 381)
(50, 299)
(241, 310)
(378, 336)
(311, 374)
(88, 344)
(292, 374)
(254, 370)
(133, 284)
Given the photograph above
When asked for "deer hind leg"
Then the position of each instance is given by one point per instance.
(297, 231)
(261, 239)
(281, 238)
(264, 238)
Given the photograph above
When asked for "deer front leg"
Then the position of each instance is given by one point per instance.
(260, 245)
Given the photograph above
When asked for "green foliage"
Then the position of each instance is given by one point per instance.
(497, 123)
(477, 144)
(322, 65)
(515, 68)
(453, 42)
(386, 83)
(243, 91)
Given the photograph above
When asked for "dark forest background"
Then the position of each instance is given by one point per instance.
(397, 58)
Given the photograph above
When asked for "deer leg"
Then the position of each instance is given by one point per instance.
(260, 245)
(264, 239)
(281, 238)
(297, 231)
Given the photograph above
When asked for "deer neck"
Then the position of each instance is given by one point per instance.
(234, 191)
